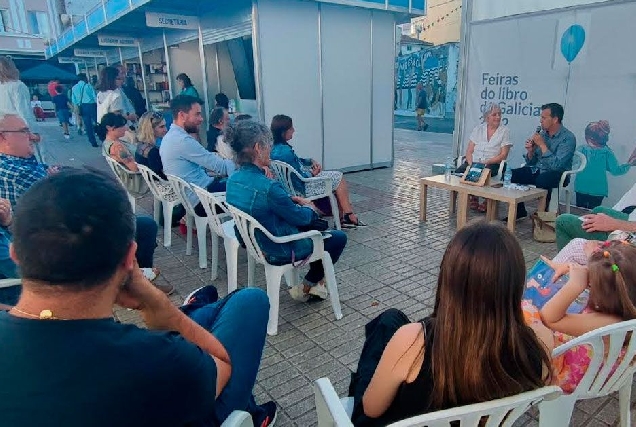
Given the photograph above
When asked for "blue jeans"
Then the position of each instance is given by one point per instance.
(146, 238)
(334, 246)
(89, 118)
(244, 338)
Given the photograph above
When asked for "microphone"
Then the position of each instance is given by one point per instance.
(539, 129)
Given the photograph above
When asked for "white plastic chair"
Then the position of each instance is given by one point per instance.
(601, 378)
(333, 411)
(127, 179)
(248, 226)
(238, 419)
(164, 197)
(285, 173)
(181, 188)
(7, 283)
(222, 225)
(579, 162)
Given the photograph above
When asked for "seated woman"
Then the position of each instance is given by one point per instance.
(249, 190)
(464, 352)
(490, 144)
(610, 278)
(152, 127)
(283, 131)
(110, 130)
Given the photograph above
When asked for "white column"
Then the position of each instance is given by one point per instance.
(462, 74)
(166, 53)
(204, 74)
(258, 74)
(143, 74)
(121, 57)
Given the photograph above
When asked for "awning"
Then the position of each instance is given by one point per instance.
(46, 72)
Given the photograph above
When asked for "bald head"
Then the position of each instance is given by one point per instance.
(15, 136)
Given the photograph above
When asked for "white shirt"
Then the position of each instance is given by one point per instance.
(108, 102)
(629, 199)
(16, 99)
(485, 149)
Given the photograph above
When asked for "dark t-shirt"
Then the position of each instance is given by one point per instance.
(60, 102)
(97, 373)
(213, 134)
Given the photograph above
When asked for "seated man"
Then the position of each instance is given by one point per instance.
(600, 223)
(549, 153)
(185, 157)
(19, 170)
(84, 369)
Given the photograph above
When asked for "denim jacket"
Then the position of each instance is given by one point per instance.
(284, 152)
(249, 190)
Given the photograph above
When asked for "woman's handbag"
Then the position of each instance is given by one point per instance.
(544, 226)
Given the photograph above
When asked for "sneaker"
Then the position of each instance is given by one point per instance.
(166, 289)
(347, 222)
(202, 296)
(67, 136)
(298, 293)
(319, 292)
(424, 127)
(268, 416)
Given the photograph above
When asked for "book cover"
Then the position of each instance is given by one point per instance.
(539, 288)
(475, 171)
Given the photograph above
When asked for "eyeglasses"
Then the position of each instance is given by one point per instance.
(25, 131)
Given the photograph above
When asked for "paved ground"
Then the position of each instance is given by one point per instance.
(391, 263)
(435, 125)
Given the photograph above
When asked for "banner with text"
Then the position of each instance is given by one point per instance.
(577, 58)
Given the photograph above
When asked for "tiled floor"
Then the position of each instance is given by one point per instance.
(391, 263)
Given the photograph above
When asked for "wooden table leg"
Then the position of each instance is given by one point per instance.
(453, 202)
(423, 199)
(542, 204)
(491, 210)
(512, 216)
(462, 210)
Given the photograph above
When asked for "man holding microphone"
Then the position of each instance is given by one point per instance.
(549, 153)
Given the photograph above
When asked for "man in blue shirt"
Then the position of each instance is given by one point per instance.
(84, 99)
(185, 157)
(549, 153)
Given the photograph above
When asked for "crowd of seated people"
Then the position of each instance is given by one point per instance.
(408, 368)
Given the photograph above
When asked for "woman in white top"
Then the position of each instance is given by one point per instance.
(15, 97)
(109, 99)
(490, 144)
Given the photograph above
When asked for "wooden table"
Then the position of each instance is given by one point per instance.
(460, 192)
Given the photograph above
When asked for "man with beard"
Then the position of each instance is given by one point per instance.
(185, 157)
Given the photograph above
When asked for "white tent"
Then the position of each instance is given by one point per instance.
(578, 53)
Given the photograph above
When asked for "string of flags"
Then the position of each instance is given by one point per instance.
(423, 28)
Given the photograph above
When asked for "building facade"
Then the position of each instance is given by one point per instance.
(441, 24)
(26, 26)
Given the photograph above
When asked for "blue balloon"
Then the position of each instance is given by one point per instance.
(572, 42)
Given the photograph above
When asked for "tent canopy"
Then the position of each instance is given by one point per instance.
(46, 72)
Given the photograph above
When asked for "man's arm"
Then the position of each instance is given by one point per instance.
(561, 158)
(605, 223)
(194, 152)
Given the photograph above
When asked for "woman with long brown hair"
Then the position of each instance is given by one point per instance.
(474, 347)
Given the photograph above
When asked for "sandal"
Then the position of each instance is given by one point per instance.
(474, 203)
(482, 207)
(347, 222)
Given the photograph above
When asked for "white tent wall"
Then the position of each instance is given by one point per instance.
(491, 9)
(520, 57)
(330, 68)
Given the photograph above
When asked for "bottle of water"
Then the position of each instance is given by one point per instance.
(448, 169)
(507, 178)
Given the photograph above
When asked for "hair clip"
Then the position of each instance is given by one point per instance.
(615, 268)
(606, 244)
(606, 254)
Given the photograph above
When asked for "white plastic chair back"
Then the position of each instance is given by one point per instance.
(133, 182)
(210, 202)
(579, 162)
(7, 283)
(284, 173)
(247, 227)
(238, 419)
(601, 378)
(500, 412)
(181, 188)
(160, 188)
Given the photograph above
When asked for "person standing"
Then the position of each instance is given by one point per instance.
(421, 105)
(549, 153)
(186, 86)
(62, 109)
(135, 96)
(84, 98)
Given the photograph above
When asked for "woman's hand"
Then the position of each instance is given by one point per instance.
(559, 269)
(6, 213)
(316, 167)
